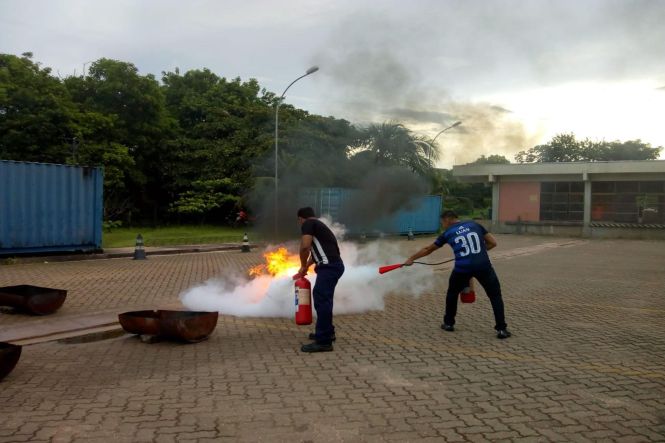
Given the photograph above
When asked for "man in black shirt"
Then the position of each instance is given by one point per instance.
(318, 246)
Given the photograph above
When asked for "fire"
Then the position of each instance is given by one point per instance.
(278, 263)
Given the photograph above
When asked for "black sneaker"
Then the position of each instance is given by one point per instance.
(503, 333)
(316, 347)
(312, 336)
(449, 328)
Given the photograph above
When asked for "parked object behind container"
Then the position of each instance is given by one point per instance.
(32, 299)
(49, 208)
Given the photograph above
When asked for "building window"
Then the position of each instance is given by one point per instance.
(562, 201)
(628, 202)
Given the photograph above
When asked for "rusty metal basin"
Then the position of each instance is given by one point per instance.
(32, 299)
(9, 355)
(188, 326)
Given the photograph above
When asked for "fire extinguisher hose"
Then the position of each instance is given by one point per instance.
(384, 269)
(434, 264)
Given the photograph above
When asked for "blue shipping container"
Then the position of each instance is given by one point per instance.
(48, 207)
(421, 214)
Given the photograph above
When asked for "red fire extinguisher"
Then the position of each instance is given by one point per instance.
(303, 292)
(468, 295)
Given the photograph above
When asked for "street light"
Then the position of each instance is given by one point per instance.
(429, 145)
(86, 63)
(311, 70)
(457, 123)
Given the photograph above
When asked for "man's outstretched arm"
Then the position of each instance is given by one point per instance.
(427, 250)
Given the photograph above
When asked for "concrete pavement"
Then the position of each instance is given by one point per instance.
(586, 361)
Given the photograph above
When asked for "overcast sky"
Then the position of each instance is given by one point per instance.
(515, 72)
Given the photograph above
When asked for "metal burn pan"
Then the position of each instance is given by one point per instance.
(32, 299)
(187, 326)
(9, 355)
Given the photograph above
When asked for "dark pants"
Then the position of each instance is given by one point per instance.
(489, 281)
(327, 277)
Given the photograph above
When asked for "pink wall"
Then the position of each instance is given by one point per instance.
(519, 199)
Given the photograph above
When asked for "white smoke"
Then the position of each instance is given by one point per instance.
(360, 289)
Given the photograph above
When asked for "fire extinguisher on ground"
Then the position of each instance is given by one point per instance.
(468, 295)
(303, 298)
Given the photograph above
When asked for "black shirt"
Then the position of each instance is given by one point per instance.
(324, 244)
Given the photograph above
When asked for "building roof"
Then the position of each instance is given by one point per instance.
(645, 169)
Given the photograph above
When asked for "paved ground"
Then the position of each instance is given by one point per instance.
(586, 362)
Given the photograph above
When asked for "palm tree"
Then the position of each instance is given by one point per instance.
(391, 144)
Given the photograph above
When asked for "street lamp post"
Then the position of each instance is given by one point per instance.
(311, 70)
(457, 123)
(430, 145)
(86, 63)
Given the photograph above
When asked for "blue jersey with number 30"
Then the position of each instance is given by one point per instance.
(467, 238)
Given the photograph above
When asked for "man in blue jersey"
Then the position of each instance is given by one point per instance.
(470, 242)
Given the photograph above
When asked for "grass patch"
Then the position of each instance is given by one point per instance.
(174, 235)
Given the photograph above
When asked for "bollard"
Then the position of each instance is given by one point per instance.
(363, 237)
(245, 244)
(139, 250)
(410, 236)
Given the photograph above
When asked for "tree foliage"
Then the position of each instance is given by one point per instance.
(38, 119)
(222, 128)
(391, 144)
(468, 199)
(191, 146)
(566, 148)
(188, 147)
(493, 159)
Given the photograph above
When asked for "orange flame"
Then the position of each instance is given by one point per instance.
(278, 263)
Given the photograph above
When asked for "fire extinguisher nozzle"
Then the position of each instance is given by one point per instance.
(384, 269)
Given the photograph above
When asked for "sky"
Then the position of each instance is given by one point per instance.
(514, 72)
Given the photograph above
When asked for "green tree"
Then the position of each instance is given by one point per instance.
(562, 148)
(39, 121)
(391, 144)
(205, 196)
(192, 146)
(312, 141)
(223, 127)
(492, 159)
(628, 150)
(98, 144)
(566, 148)
(130, 129)
(37, 116)
(467, 199)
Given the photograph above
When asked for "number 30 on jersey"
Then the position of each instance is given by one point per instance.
(470, 244)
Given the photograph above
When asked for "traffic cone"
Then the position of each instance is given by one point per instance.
(139, 250)
(245, 244)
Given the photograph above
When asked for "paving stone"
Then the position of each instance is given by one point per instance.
(586, 361)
